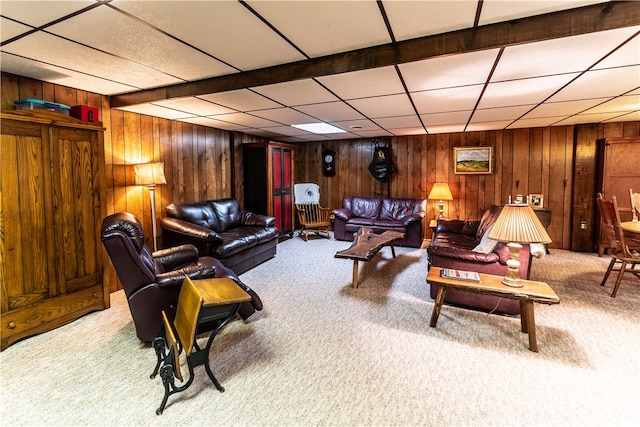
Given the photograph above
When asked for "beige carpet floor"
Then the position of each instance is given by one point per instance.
(322, 353)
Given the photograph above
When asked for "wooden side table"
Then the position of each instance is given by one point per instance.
(530, 292)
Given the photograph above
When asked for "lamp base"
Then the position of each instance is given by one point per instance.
(514, 283)
(512, 278)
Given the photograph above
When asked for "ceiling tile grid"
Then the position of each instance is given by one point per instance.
(583, 78)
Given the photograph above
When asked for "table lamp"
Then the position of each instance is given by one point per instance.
(440, 191)
(517, 224)
(150, 174)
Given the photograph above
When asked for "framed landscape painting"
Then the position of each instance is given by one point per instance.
(472, 160)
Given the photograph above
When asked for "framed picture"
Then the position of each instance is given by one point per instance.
(536, 201)
(472, 160)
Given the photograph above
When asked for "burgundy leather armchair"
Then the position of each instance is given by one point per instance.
(152, 282)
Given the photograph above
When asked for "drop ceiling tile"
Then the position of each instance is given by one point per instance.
(621, 104)
(157, 111)
(446, 128)
(218, 124)
(628, 54)
(286, 130)
(225, 29)
(557, 56)
(152, 48)
(372, 133)
(285, 116)
(357, 125)
(331, 111)
(480, 126)
(195, 106)
(442, 100)
(564, 108)
(408, 131)
(502, 113)
(384, 106)
(449, 71)
(411, 19)
(241, 100)
(411, 121)
(451, 118)
(49, 73)
(633, 116)
(10, 29)
(534, 122)
(521, 92)
(366, 83)
(65, 54)
(321, 28)
(297, 92)
(501, 10)
(265, 133)
(601, 83)
(244, 119)
(587, 118)
(37, 13)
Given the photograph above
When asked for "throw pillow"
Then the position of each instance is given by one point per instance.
(486, 245)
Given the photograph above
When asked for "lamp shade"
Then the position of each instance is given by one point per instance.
(520, 224)
(440, 191)
(149, 173)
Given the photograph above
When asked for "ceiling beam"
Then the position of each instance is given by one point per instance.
(566, 23)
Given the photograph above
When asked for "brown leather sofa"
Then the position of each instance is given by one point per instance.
(219, 228)
(381, 214)
(152, 282)
(452, 246)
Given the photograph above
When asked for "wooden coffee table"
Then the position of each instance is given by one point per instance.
(530, 292)
(365, 245)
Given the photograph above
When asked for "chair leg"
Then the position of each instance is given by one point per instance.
(619, 279)
(606, 276)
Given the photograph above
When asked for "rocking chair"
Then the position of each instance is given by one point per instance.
(311, 215)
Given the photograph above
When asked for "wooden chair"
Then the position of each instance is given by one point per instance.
(627, 256)
(635, 204)
(200, 302)
(311, 215)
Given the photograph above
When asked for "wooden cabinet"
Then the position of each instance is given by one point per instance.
(618, 171)
(51, 209)
(268, 182)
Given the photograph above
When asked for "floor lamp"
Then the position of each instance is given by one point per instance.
(517, 224)
(151, 174)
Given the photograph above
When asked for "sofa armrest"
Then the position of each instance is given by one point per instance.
(176, 277)
(462, 254)
(413, 218)
(193, 231)
(171, 258)
(342, 213)
(254, 219)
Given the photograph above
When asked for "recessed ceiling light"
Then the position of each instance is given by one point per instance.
(355, 127)
(319, 128)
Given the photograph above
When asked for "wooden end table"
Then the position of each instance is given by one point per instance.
(365, 245)
(530, 292)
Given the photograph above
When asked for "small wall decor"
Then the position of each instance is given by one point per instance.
(472, 160)
(536, 201)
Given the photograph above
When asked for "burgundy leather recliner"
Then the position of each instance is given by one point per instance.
(152, 281)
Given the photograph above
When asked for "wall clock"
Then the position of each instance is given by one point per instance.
(328, 162)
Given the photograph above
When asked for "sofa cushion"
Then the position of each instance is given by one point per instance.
(200, 213)
(228, 213)
(488, 218)
(397, 209)
(486, 244)
(366, 207)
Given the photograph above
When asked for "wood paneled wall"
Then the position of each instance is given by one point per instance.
(206, 163)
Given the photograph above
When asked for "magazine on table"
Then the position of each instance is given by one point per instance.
(469, 276)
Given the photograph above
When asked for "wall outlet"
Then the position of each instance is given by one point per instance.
(583, 225)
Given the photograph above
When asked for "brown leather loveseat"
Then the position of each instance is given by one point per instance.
(219, 228)
(381, 214)
(460, 245)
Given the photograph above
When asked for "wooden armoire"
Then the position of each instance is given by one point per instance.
(51, 210)
(268, 182)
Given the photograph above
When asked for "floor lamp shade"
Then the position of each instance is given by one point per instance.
(440, 191)
(517, 224)
(150, 174)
